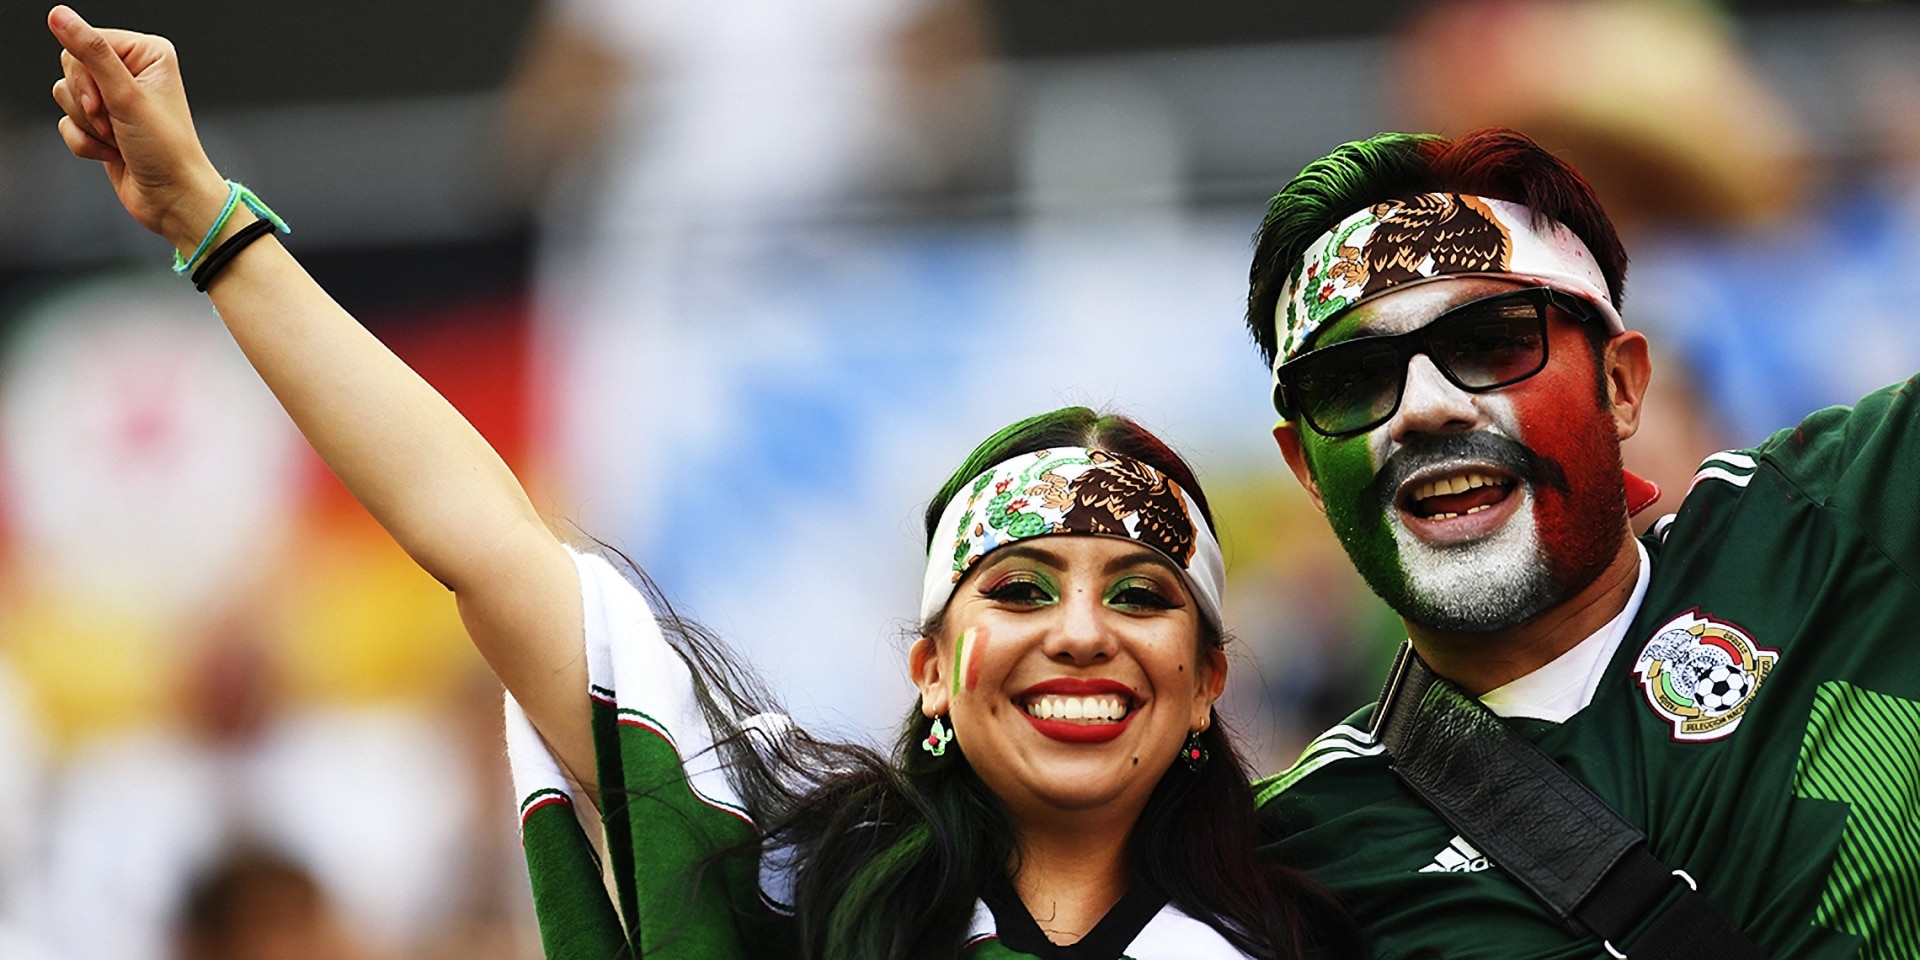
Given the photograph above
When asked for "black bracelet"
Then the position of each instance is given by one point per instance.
(217, 260)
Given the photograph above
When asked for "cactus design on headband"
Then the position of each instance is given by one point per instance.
(1073, 490)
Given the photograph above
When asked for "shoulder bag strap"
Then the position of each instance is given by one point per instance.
(1541, 826)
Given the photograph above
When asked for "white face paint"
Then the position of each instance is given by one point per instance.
(1495, 581)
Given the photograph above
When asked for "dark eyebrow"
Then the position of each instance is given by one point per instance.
(1028, 551)
(1134, 558)
(1032, 550)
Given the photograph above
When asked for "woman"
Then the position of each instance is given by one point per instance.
(1061, 791)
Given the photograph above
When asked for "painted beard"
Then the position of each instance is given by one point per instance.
(1564, 532)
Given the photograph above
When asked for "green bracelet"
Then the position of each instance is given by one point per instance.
(236, 195)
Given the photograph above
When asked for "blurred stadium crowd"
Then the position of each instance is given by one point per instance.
(734, 287)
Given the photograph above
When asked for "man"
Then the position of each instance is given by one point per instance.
(1742, 684)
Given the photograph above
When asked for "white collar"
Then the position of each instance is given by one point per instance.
(1566, 685)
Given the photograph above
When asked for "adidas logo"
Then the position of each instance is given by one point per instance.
(1459, 856)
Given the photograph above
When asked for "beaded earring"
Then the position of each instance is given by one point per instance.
(937, 738)
(1193, 752)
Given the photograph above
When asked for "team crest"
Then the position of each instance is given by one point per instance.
(1701, 674)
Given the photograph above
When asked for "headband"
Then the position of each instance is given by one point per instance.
(1073, 490)
(1431, 236)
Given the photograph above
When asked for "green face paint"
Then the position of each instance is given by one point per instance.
(1344, 471)
(961, 648)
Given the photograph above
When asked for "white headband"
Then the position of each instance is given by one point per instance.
(1429, 237)
(1073, 490)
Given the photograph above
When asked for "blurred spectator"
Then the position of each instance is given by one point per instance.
(372, 802)
(713, 348)
(1653, 99)
(660, 112)
(254, 905)
(491, 917)
(22, 779)
(1657, 104)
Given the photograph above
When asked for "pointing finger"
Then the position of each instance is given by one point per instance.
(94, 51)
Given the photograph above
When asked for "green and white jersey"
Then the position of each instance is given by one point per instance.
(669, 805)
(1759, 720)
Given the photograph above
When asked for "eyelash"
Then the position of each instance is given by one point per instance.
(1140, 593)
(1020, 589)
(1027, 590)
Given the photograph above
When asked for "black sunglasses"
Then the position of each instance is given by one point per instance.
(1355, 385)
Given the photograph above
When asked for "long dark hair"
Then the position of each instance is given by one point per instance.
(893, 851)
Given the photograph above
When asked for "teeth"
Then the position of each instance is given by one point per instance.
(1096, 709)
(1469, 512)
(1456, 484)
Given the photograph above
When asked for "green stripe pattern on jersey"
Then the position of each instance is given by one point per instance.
(1860, 751)
(1342, 742)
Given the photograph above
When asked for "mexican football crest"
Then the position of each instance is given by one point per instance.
(1700, 674)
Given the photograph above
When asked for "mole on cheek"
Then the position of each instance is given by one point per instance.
(1136, 761)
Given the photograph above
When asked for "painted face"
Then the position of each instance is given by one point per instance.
(1475, 512)
(1072, 673)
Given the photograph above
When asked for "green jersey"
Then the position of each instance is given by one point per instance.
(1759, 720)
(670, 807)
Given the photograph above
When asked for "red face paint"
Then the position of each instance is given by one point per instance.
(1563, 418)
(973, 657)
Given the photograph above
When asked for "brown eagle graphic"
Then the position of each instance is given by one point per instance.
(1459, 233)
(1116, 488)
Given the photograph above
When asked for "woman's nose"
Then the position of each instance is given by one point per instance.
(1083, 634)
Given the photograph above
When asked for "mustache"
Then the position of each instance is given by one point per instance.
(1424, 451)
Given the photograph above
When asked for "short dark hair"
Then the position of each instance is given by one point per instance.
(1496, 163)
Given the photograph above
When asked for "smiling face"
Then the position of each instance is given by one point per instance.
(1473, 512)
(1072, 670)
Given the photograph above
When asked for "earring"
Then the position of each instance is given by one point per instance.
(937, 738)
(1193, 752)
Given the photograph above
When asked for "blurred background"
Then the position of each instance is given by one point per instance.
(734, 287)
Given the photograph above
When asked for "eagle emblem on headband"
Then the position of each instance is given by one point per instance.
(1074, 491)
(1433, 234)
(1122, 497)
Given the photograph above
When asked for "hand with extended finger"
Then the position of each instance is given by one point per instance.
(125, 107)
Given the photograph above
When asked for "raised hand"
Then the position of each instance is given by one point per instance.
(126, 107)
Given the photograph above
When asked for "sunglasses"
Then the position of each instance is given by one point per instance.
(1355, 385)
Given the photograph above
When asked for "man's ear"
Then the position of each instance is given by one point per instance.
(1286, 433)
(928, 669)
(1628, 370)
(1213, 680)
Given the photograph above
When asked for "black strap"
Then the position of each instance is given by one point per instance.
(222, 255)
(1544, 828)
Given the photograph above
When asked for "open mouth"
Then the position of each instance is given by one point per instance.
(1457, 494)
(1458, 504)
(1078, 710)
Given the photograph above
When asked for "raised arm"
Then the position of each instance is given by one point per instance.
(406, 454)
